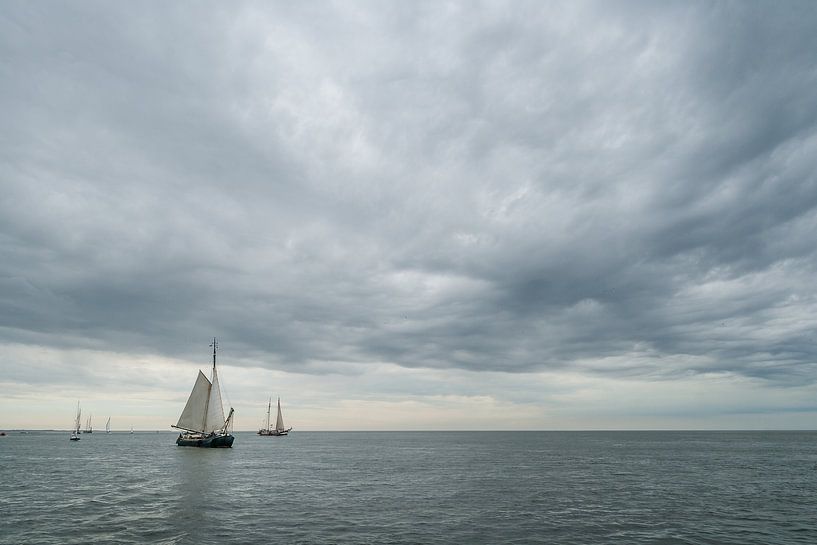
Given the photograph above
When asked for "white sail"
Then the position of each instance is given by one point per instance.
(194, 415)
(215, 410)
(279, 422)
(77, 422)
(108, 425)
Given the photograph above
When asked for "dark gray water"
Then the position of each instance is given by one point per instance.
(442, 487)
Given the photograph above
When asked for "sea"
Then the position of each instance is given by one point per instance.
(412, 488)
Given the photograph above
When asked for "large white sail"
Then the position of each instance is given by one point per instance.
(279, 422)
(215, 410)
(194, 414)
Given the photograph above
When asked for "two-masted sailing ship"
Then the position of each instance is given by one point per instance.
(77, 423)
(279, 428)
(202, 421)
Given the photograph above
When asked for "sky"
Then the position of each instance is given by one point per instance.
(410, 215)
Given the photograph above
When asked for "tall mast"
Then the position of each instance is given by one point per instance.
(214, 344)
(269, 406)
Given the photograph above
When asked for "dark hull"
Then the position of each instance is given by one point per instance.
(215, 441)
(274, 433)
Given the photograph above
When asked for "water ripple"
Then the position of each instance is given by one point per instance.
(680, 488)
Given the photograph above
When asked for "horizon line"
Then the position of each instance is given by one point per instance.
(153, 430)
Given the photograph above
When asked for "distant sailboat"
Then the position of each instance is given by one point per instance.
(280, 429)
(108, 425)
(88, 428)
(266, 429)
(202, 420)
(131, 429)
(75, 431)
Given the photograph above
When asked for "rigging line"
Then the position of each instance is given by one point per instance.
(229, 403)
(224, 389)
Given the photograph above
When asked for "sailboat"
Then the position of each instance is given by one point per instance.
(202, 421)
(88, 428)
(266, 429)
(75, 430)
(108, 425)
(279, 423)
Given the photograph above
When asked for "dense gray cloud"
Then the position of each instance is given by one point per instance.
(618, 188)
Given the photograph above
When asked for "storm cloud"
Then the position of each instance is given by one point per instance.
(611, 189)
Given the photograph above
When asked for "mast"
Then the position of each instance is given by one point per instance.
(214, 344)
(215, 409)
(269, 407)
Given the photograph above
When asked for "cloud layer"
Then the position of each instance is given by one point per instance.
(620, 190)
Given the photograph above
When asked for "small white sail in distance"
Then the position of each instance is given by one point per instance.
(77, 421)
